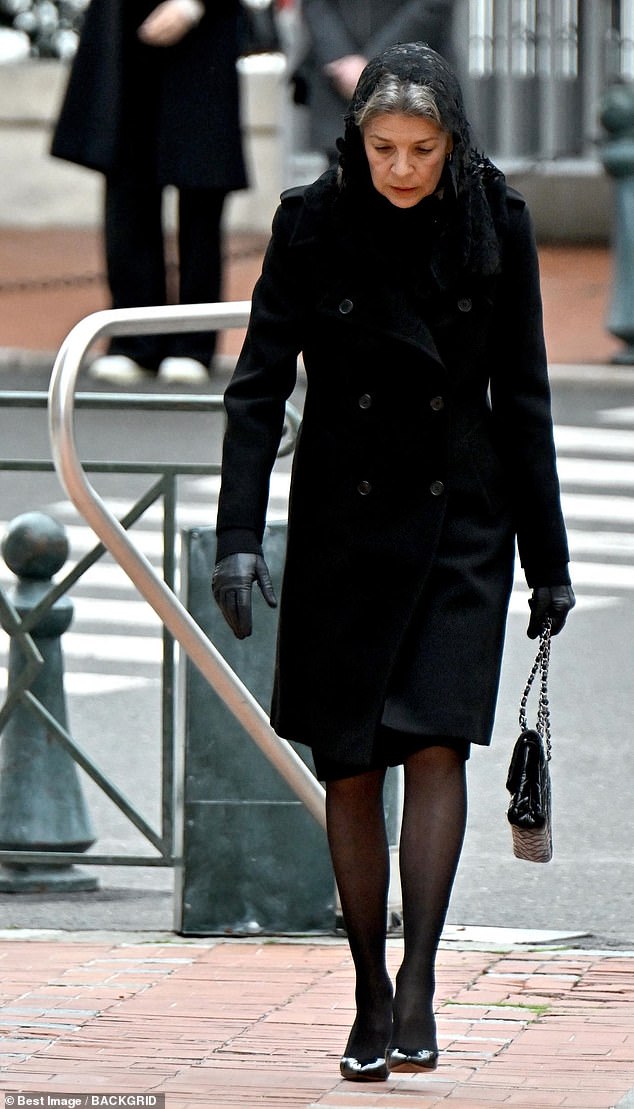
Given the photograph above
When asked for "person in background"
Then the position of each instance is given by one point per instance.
(153, 100)
(408, 278)
(340, 37)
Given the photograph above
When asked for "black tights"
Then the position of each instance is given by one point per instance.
(434, 817)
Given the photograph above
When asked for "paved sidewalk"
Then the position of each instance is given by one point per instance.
(51, 278)
(222, 1024)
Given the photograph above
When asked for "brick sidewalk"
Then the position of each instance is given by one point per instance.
(49, 279)
(242, 1023)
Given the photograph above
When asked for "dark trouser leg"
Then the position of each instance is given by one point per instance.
(135, 258)
(360, 855)
(200, 265)
(434, 818)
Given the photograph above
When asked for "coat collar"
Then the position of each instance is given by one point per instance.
(376, 304)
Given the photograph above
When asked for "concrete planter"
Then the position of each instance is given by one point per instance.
(37, 190)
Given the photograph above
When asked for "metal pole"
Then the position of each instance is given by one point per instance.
(185, 630)
(617, 117)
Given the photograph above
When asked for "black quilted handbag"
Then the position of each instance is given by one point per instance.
(529, 812)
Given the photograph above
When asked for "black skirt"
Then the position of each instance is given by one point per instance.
(392, 748)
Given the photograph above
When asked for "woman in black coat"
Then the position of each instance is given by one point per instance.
(409, 281)
(153, 100)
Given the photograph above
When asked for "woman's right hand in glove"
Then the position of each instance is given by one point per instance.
(231, 585)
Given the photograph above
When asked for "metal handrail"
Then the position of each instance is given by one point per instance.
(200, 650)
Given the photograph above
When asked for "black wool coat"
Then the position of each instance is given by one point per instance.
(176, 106)
(426, 447)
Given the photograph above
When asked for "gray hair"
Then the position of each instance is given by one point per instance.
(394, 95)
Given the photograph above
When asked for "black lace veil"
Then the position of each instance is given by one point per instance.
(471, 242)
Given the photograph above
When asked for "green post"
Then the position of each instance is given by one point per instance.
(254, 861)
(617, 117)
(41, 802)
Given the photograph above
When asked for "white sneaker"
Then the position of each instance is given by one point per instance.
(119, 369)
(183, 371)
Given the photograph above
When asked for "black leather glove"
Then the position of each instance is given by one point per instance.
(549, 600)
(231, 585)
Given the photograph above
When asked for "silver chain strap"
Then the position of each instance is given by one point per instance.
(540, 665)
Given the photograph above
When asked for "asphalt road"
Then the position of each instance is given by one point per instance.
(587, 888)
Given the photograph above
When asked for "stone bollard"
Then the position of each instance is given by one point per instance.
(42, 806)
(617, 117)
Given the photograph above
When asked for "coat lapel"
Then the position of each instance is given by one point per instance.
(354, 284)
(380, 311)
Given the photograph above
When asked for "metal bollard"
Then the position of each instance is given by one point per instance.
(254, 861)
(42, 806)
(617, 117)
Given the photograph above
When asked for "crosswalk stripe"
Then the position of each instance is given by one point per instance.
(603, 574)
(519, 602)
(192, 515)
(623, 415)
(588, 506)
(82, 539)
(138, 649)
(608, 574)
(86, 683)
(614, 543)
(596, 471)
(104, 575)
(593, 440)
(202, 495)
(138, 614)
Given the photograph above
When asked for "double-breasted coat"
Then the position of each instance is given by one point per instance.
(426, 448)
(180, 102)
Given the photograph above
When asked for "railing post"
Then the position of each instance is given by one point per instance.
(144, 321)
(617, 117)
(41, 802)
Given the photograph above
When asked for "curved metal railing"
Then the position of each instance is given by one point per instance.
(178, 621)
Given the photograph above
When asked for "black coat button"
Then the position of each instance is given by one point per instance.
(346, 307)
(436, 488)
(464, 304)
(365, 400)
(364, 487)
(437, 404)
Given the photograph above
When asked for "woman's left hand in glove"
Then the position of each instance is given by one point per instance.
(232, 586)
(554, 601)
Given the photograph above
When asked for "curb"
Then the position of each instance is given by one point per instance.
(454, 938)
(588, 373)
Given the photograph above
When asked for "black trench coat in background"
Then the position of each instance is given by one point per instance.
(408, 487)
(336, 28)
(196, 115)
